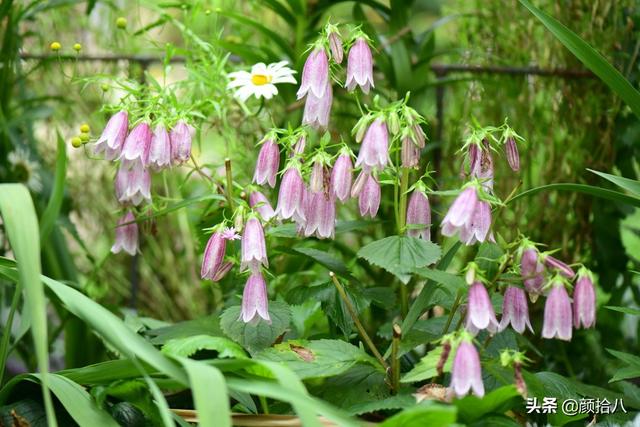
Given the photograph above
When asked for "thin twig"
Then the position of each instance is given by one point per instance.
(354, 316)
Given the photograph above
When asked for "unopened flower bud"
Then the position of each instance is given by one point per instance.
(121, 22)
(84, 128)
(76, 142)
(77, 47)
(55, 46)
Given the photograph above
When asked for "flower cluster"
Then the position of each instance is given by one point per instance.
(139, 151)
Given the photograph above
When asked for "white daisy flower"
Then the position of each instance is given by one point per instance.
(24, 170)
(261, 81)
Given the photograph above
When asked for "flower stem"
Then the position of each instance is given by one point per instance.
(227, 168)
(404, 184)
(395, 361)
(452, 312)
(356, 321)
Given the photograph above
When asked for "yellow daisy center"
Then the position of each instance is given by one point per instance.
(261, 79)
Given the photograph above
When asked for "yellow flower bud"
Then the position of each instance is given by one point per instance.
(104, 87)
(55, 46)
(76, 141)
(84, 137)
(84, 128)
(121, 22)
(77, 47)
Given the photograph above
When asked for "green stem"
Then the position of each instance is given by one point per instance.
(404, 300)
(404, 184)
(395, 360)
(264, 404)
(4, 345)
(354, 316)
(452, 312)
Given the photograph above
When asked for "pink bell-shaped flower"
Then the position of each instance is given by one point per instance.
(477, 229)
(360, 66)
(532, 271)
(255, 303)
(466, 373)
(335, 45)
(557, 313)
(584, 301)
(181, 136)
(113, 136)
(253, 247)
(513, 157)
(135, 151)
(126, 235)
(315, 74)
(374, 152)
(213, 265)
(260, 203)
(560, 266)
(468, 216)
(369, 197)
(317, 109)
(160, 150)
(290, 196)
(267, 164)
(515, 310)
(480, 313)
(419, 216)
(341, 177)
(133, 185)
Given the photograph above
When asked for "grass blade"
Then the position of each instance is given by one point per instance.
(631, 185)
(21, 226)
(51, 212)
(591, 58)
(209, 394)
(582, 188)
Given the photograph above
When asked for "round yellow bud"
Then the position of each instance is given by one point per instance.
(77, 47)
(84, 137)
(121, 22)
(207, 12)
(104, 87)
(84, 128)
(55, 46)
(76, 141)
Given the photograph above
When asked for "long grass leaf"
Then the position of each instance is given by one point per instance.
(581, 188)
(590, 57)
(51, 212)
(21, 227)
(209, 391)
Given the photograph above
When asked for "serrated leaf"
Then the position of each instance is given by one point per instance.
(317, 359)
(400, 255)
(326, 259)
(260, 336)
(362, 383)
(427, 414)
(499, 400)
(399, 401)
(188, 346)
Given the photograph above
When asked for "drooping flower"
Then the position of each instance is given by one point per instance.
(261, 81)
(315, 74)
(515, 310)
(419, 216)
(341, 177)
(482, 165)
(260, 203)
(466, 373)
(477, 229)
(320, 215)
(560, 266)
(513, 157)
(531, 270)
(584, 301)
(335, 44)
(160, 151)
(113, 136)
(255, 304)
(369, 197)
(253, 247)
(133, 185)
(126, 235)
(267, 164)
(135, 151)
(409, 153)
(180, 136)
(316, 180)
(360, 66)
(318, 108)
(374, 152)
(480, 313)
(213, 265)
(290, 196)
(557, 313)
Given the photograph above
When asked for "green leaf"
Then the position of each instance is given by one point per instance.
(488, 258)
(317, 359)
(582, 188)
(399, 401)
(256, 337)
(631, 185)
(76, 401)
(426, 414)
(21, 227)
(591, 58)
(627, 372)
(471, 408)
(626, 310)
(362, 383)
(208, 325)
(209, 393)
(51, 212)
(400, 255)
(426, 367)
(188, 346)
